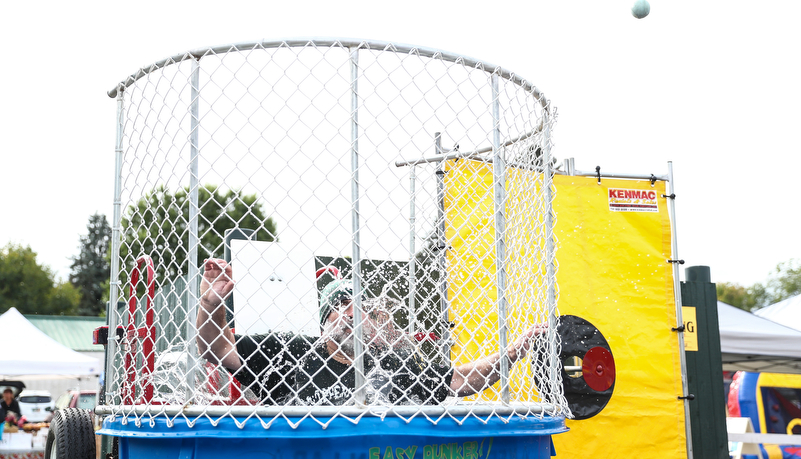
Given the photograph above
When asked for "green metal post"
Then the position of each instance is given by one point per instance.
(704, 366)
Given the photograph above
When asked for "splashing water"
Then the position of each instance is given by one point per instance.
(170, 378)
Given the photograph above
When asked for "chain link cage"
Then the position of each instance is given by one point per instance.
(319, 229)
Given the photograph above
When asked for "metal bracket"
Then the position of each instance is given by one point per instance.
(679, 329)
(687, 397)
(671, 196)
(681, 262)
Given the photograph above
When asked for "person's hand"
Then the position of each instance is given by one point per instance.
(216, 284)
(522, 346)
(215, 340)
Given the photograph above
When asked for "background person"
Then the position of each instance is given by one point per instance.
(9, 406)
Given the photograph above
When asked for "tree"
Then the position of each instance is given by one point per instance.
(158, 226)
(31, 287)
(746, 298)
(64, 299)
(785, 280)
(782, 283)
(90, 269)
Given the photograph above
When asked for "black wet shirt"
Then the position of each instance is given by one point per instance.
(285, 368)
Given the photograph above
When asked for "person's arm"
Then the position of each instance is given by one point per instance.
(215, 340)
(473, 377)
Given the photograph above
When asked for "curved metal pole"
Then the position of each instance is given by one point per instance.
(522, 409)
(348, 43)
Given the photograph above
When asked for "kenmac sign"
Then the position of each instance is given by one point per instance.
(625, 200)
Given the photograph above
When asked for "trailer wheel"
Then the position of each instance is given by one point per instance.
(71, 435)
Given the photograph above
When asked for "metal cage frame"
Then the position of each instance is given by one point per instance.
(492, 153)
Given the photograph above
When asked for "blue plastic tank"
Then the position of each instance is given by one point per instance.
(371, 438)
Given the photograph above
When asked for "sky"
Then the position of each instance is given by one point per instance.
(711, 86)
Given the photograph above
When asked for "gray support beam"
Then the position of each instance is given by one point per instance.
(441, 249)
(193, 273)
(412, 316)
(499, 188)
(550, 254)
(677, 294)
(358, 289)
(114, 283)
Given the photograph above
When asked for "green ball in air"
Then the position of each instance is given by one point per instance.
(640, 9)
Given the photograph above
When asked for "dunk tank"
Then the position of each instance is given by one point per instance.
(306, 162)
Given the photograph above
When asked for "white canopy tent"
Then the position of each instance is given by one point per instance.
(787, 312)
(30, 354)
(752, 343)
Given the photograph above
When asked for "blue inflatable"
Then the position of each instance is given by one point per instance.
(772, 402)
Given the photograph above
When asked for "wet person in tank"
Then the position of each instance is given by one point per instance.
(288, 368)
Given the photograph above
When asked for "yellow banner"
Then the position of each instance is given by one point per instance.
(613, 240)
(613, 271)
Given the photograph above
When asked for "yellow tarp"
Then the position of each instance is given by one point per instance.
(612, 271)
(472, 294)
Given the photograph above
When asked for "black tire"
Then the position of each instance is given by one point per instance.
(71, 435)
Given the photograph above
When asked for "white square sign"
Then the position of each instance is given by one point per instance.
(274, 289)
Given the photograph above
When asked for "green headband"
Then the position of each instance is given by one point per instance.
(332, 296)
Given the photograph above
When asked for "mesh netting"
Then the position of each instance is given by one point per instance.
(320, 229)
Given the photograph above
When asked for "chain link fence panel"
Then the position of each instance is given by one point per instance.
(321, 229)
